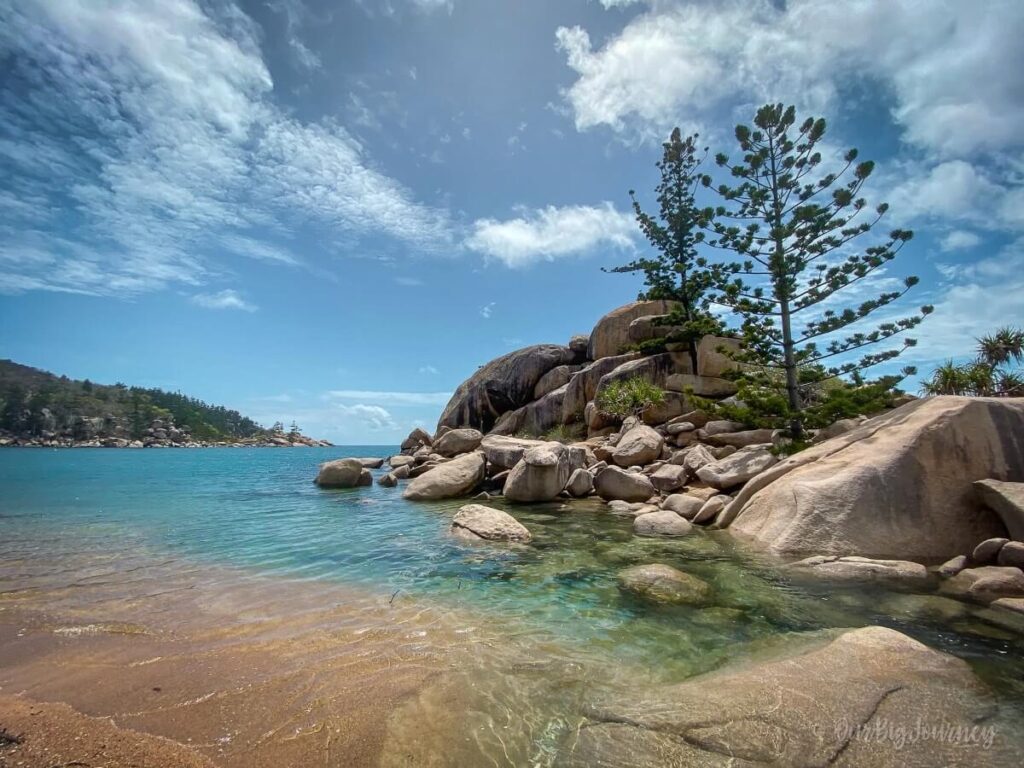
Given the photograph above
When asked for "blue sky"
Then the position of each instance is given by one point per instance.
(335, 211)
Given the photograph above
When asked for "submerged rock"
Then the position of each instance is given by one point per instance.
(861, 569)
(454, 478)
(819, 707)
(475, 521)
(663, 584)
(986, 584)
(661, 522)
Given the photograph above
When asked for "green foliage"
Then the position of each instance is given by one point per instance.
(566, 433)
(622, 399)
(33, 401)
(988, 375)
(675, 272)
(789, 228)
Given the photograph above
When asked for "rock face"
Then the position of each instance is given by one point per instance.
(457, 441)
(1007, 501)
(502, 385)
(639, 445)
(612, 483)
(737, 468)
(553, 379)
(534, 418)
(582, 387)
(450, 480)
(540, 475)
(899, 485)
(861, 569)
(611, 333)
(475, 521)
(341, 473)
(800, 711)
(661, 583)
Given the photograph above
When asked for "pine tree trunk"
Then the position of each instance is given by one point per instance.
(792, 382)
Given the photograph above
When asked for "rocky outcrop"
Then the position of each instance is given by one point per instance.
(502, 385)
(660, 583)
(505, 452)
(480, 523)
(555, 378)
(899, 485)
(540, 475)
(611, 334)
(582, 386)
(450, 480)
(535, 418)
(820, 707)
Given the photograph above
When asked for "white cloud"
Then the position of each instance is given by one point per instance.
(429, 369)
(487, 310)
(226, 299)
(550, 233)
(619, 3)
(410, 282)
(178, 148)
(955, 70)
(295, 15)
(959, 239)
(394, 398)
(372, 417)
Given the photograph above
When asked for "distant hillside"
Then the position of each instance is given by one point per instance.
(40, 407)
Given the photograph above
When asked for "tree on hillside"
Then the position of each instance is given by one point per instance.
(674, 271)
(988, 375)
(792, 227)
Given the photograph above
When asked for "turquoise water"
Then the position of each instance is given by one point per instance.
(258, 509)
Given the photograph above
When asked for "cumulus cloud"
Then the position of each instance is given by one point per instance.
(959, 239)
(955, 81)
(552, 232)
(226, 299)
(371, 416)
(146, 135)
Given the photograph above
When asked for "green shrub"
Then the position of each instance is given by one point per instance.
(622, 399)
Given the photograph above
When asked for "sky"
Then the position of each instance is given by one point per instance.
(334, 212)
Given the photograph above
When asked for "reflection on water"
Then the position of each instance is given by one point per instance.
(231, 560)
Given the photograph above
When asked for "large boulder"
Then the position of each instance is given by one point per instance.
(899, 485)
(502, 385)
(737, 468)
(660, 583)
(540, 475)
(477, 522)
(854, 568)
(987, 583)
(456, 441)
(415, 439)
(341, 473)
(534, 418)
(654, 368)
(841, 705)
(612, 483)
(638, 446)
(1007, 501)
(611, 334)
(504, 451)
(450, 480)
(702, 386)
(581, 483)
(668, 477)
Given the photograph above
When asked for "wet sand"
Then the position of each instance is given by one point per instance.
(208, 667)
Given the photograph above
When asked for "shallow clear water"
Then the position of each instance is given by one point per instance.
(258, 509)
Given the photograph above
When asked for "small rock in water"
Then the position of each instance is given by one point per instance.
(663, 584)
(475, 521)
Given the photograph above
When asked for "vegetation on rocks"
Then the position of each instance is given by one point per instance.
(622, 399)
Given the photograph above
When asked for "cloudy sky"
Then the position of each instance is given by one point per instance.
(335, 211)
